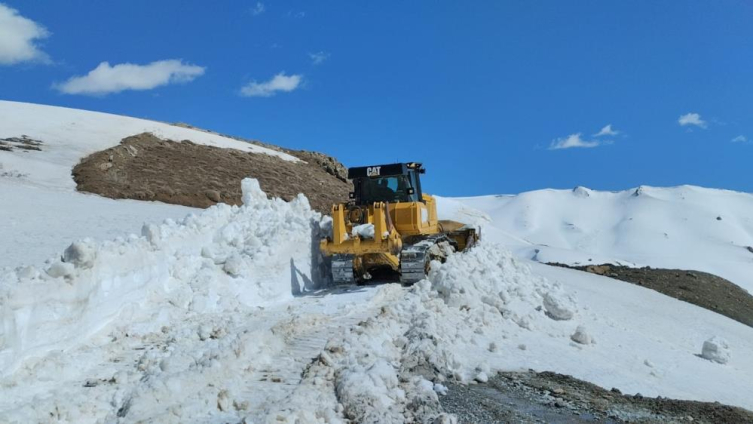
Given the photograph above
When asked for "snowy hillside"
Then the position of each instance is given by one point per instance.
(682, 227)
(70, 134)
(214, 318)
(47, 213)
(227, 314)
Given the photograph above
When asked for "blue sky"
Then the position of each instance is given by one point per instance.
(481, 92)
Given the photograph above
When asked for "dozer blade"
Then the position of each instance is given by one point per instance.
(342, 269)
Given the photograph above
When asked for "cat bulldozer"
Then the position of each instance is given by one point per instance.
(389, 228)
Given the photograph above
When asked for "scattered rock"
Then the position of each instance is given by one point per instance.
(524, 397)
(598, 269)
(213, 195)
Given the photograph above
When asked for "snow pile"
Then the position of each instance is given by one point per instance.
(716, 350)
(365, 231)
(390, 368)
(490, 276)
(225, 258)
(484, 311)
(581, 336)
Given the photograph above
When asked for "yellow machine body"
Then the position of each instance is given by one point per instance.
(395, 224)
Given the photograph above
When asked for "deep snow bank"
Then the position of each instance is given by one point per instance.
(483, 311)
(225, 258)
(389, 368)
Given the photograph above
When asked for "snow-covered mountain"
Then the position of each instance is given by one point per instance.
(218, 317)
(682, 227)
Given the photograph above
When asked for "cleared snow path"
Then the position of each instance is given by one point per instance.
(211, 368)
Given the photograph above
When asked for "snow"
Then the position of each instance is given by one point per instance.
(716, 349)
(225, 315)
(675, 227)
(37, 223)
(215, 261)
(68, 135)
(581, 336)
(365, 231)
(215, 318)
(620, 335)
(39, 184)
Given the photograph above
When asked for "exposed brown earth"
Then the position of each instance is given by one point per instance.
(328, 163)
(699, 288)
(145, 167)
(547, 397)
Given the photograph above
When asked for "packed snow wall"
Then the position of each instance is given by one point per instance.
(225, 258)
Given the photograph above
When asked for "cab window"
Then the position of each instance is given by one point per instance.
(396, 188)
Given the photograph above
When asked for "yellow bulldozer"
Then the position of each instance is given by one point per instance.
(389, 227)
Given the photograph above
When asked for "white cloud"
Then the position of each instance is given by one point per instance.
(18, 38)
(280, 82)
(692, 119)
(106, 79)
(575, 140)
(740, 139)
(607, 130)
(258, 9)
(296, 15)
(318, 57)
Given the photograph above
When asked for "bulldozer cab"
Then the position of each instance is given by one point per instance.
(391, 183)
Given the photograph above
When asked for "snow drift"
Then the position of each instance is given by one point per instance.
(225, 258)
(389, 368)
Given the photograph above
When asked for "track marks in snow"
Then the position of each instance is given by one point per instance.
(206, 367)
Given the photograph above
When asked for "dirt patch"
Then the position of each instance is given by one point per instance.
(699, 288)
(531, 397)
(331, 165)
(145, 167)
(24, 143)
